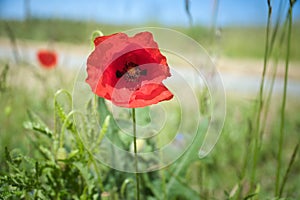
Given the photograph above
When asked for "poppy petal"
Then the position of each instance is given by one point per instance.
(148, 94)
(128, 70)
(47, 59)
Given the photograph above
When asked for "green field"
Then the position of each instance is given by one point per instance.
(235, 42)
(32, 166)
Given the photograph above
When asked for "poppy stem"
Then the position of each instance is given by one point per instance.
(135, 156)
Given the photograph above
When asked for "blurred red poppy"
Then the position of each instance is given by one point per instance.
(128, 70)
(47, 59)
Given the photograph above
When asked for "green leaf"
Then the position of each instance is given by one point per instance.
(3, 78)
(63, 116)
(154, 186)
(47, 153)
(73, 153)
(124, 186)
(7, 155)
(104, 129)
(250, 196)
(233, 191)
(113, 129)
(35, 126)
(189, 156)
(84, 171)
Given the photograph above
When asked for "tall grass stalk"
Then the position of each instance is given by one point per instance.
(270, 92)
(188, 12)
(276, 59)
(245, 161)
(257, 139)
(13, 42)
(215, 12)
(282, 113)
(292, 160)
(163, 184)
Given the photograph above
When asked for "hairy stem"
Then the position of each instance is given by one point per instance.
(137, 178)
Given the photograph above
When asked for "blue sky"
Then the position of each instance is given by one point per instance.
(166, 12)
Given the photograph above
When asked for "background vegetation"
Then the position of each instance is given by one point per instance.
(235, 42)
(243, 165)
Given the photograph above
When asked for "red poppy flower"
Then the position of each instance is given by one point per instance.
(47, 59)
(128, 70)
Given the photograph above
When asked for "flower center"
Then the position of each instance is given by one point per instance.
(131, 71)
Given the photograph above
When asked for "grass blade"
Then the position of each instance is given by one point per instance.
(282, 115)
(292, 160)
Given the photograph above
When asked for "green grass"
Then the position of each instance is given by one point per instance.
(27, 88)
(210, 178)
(46, 159)
(249, 42)
(235, 42)
(56, 30)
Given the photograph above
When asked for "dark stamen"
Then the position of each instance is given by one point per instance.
(131, 71)
(119, 74)
(130, 65)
